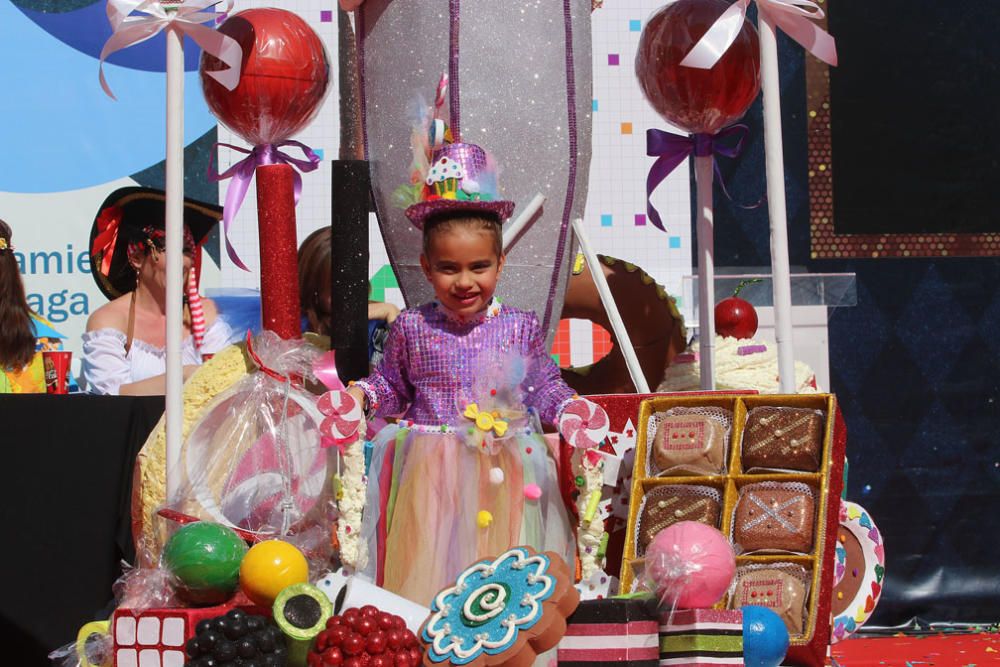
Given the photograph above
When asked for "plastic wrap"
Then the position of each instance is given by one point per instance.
(92, 648)
(255, 461)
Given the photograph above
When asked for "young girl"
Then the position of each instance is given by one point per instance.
(23, 333)
(465, 473)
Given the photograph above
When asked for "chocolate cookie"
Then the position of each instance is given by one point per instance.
(774, 517)
(782, 589)
(783, 438)
(664, 506)
(690, 443)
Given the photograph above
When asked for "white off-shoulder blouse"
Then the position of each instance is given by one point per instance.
(106, 366)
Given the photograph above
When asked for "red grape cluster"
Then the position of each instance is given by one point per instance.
(365, 637)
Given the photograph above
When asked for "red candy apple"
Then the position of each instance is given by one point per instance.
(696, 100)
(736, 317)
(284, 78)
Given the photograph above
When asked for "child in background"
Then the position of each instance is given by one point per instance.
(465, 474)
(315, 285)
(24, 334)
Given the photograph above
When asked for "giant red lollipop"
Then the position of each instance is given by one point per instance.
(284, 79)
(696, 100)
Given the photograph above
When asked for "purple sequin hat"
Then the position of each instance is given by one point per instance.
(461, 178)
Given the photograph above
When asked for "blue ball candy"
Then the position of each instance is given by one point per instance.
(765, 637)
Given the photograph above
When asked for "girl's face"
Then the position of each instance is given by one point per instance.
(463, 268)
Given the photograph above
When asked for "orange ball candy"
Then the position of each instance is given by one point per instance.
(269, 568)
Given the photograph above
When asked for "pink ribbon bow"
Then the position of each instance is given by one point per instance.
(242, 173)
(135, 21)
(795, 17)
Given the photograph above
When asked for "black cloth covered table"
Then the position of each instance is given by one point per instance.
(64, 512)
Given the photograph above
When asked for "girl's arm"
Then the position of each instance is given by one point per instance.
(387, 391)
(546, 390)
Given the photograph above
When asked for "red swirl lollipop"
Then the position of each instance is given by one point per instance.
(696, 100)
(284, 79)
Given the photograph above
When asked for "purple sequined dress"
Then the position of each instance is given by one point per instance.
(447, 485)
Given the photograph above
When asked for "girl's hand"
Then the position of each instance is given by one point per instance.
(382, 311)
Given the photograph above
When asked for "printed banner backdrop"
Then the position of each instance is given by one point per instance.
(73, 146)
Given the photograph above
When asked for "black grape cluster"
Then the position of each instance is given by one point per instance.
(237, 639)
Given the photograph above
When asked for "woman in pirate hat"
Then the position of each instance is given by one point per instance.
(124, 346)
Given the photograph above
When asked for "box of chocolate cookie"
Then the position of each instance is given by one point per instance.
(766, 470)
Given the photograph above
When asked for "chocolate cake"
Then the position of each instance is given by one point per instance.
(689, 443)
(782, 589)
(666, 505)
(771, 516)
(783, 438)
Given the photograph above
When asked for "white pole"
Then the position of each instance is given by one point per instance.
(706, 270)
(775, 164)
(608, 301)
(522, 222)
(174, 252)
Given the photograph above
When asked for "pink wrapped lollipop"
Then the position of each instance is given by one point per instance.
(583, 424)
(690, 565)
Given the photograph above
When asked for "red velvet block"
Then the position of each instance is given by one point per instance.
(156, 637)
(279, 265)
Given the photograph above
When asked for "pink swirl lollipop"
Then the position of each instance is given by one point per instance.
(343, 417)
(583, 424)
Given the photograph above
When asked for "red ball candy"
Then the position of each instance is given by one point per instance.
(350, 617)
(383, 660)
(403, 659)
(398, 622)
(377, 642)
(355, 661)
(353, 644)
(333, 622)
(415, 656)
(696, 100)
(396, 639)
(335, 636)
(385, 620)
(369, 610)
(366, 625)
(332, 657)
(284, 77)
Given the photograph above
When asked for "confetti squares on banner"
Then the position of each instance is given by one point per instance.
(619, 164)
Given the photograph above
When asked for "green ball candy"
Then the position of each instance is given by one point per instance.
(204, 559)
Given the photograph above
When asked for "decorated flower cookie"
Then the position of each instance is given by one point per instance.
(501, 611)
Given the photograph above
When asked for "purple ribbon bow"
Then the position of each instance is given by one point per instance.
(671, 149)
(242, 173)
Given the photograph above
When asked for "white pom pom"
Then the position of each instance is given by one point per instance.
(496, 476)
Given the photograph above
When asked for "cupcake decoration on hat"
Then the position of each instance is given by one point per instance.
(456, 176)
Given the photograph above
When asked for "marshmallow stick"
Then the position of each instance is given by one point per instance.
(775, 169)
(608, 301)
(521, 223)
(706, 270)
(174, 254)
